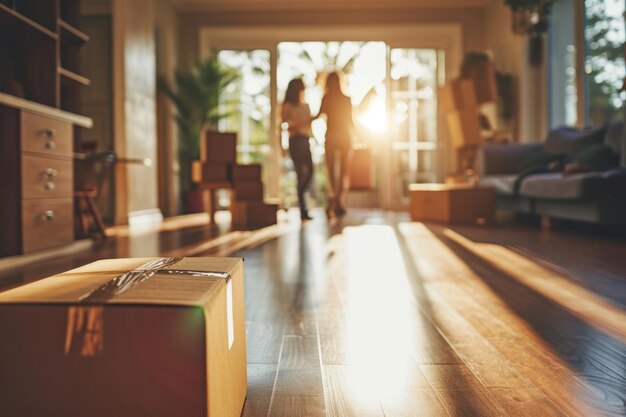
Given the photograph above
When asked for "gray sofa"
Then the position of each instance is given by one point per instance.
(591, 197)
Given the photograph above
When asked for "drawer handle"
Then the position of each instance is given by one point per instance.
(51, 132)
(48, 216)
(50, 186)
(51, 173)
(50, 144)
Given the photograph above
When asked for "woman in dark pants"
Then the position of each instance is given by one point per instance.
(297, 115)
(338, 110)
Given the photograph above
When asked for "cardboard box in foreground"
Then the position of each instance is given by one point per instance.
(167, 340)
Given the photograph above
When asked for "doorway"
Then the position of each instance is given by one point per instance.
(402, 123)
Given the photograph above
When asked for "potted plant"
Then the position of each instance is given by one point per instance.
(196, 97)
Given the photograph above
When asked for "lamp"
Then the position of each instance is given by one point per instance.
(530, 17)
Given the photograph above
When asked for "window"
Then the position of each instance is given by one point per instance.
(604, 61)
(563, 65)
(586, 66)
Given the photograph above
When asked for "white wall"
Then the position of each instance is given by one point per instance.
(134, 61)
(167, 27)
(510, 53)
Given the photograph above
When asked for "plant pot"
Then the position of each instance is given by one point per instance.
(195, 201)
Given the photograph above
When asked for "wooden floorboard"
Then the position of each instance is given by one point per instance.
(377, 316)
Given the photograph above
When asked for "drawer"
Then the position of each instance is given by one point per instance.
(44, 135)
(47, 224)
(46, 177)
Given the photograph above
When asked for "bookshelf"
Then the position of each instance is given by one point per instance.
(40, 50)
(40, 91)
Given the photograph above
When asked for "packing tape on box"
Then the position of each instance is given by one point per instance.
(87, 322)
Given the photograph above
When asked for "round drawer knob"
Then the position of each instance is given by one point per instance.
(48, 216)
(51, 173)
(50, 186)
(51, 144)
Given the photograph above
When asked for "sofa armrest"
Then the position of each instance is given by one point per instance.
(617, 180)
(499, 159)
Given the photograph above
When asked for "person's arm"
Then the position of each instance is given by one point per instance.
(351, 126)
(284, 116)
(323, 108)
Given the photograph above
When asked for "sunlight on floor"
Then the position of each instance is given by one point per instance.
(587, 305)
(382, 331)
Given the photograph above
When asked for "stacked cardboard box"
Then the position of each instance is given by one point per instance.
(249, 210)
(127, 337)
(218, 168)
(458, 100)
(360, 172)
(218, 153)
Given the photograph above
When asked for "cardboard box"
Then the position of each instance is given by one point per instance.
(101, 341)
(246, 172)
(218, 147)
(484, 76)
(458, 94)
(360, 174)
(451, 203)
(464, 127)
(248, 190)
(203, 172)
(247, 215)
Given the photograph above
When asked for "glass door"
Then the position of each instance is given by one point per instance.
(415, 75)
(247, 106)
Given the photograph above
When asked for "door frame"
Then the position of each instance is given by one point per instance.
(445, 36)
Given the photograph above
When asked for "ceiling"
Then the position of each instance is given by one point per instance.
(275, 5)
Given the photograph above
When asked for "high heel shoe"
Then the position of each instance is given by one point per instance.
(340, 211)
(305, 216)
(330, 209)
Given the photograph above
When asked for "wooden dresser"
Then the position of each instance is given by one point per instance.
(40, 84)
(36, 201)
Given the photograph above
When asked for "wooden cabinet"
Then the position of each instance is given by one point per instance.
(36, 204)
(39, 96)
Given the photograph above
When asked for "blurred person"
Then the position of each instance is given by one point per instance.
(337, 108)
(297, 115)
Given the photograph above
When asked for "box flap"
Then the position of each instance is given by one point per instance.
(162, 288)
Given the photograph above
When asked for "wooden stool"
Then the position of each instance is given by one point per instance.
(86, 211)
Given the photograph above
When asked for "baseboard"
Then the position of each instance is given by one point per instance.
(145, 218)
(18, 261)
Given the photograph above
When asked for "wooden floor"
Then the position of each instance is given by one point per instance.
(379, 316)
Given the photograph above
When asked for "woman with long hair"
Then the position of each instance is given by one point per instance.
(297, 115)
(339, 125)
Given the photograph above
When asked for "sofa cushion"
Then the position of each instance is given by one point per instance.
(614, 136)
(501, 159)
(598, 158)
(503, 184)
(570, 141)
(539, 159)
(558, 186)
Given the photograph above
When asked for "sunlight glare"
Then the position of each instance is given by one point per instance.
(381, 329)
(374, 118)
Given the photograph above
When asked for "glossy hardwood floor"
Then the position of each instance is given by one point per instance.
(379, 316)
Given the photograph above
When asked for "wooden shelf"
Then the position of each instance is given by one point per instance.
(11, 19)
(47, 111)
(71, 34)
(69, 75)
